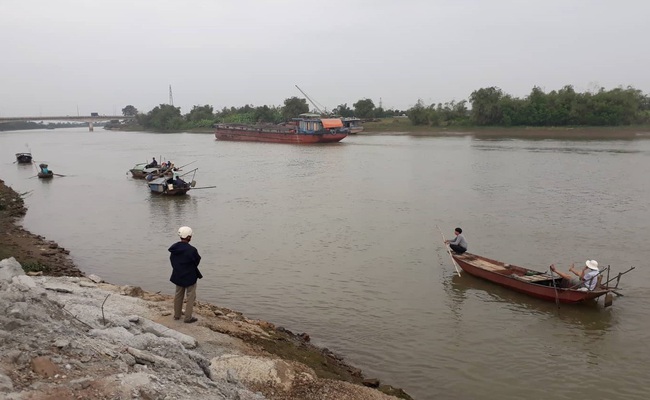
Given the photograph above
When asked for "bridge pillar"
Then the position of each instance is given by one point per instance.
(90, 126)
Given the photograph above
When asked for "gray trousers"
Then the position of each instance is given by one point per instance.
(178, 301)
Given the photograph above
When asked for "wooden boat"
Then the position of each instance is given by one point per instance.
(140, 171)
(353, 124)
(24, 158)
(45, 172)
(534, 283)
(170, 186)
(300, 130)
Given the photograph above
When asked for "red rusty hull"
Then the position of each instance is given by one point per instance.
(511, 277)
(277, 136)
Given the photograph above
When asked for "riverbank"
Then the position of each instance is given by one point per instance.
(403, 126)
(68, 335)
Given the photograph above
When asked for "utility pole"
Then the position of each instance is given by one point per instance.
(171, 97)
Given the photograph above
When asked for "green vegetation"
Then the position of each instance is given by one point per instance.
(129, 111)
(487, 107)
(34, 266)
(167, 118)
(564, 107)
(22, 125)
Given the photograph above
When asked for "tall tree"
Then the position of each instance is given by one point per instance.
(485, 106)
(293, 107)
(164, 117)
(129, 111)
(364, 108)
(343, 110)
(200, 113)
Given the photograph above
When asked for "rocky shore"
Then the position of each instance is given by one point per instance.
(67, 336)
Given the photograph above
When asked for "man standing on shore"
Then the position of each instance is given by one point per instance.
(185, 261)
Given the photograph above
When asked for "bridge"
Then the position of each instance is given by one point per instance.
(88, 119)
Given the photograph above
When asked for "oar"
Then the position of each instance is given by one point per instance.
(58, 174)
(204, 187)
(444, 241)
(557, 299)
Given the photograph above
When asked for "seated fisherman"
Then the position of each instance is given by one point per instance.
(152, 164)
(459, 244)
(585, 279)
(177, 181)
(44, 169)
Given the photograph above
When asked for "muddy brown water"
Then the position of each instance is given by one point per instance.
(340, 241)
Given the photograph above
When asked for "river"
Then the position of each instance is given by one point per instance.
(340, 241)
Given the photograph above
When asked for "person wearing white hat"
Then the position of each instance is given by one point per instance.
(586, 278)
(185, 261)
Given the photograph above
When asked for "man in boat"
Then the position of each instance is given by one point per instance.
(185, 261)
(176, 180)
(459, 244)
(44, 169)
(152, 164)
(585, 279)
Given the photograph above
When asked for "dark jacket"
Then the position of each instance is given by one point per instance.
(185, 261)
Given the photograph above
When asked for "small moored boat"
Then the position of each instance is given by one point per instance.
(353, 124)
(534, 283)
(24, 158)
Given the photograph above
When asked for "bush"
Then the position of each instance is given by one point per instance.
(34, 266)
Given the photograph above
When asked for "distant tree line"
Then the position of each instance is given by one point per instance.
(486, 107)
(22, 125)
(564, 107)
(166, 117)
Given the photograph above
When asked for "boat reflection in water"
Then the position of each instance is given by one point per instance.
(589, 316)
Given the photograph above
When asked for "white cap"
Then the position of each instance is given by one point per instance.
(591, 264)
(184, 232)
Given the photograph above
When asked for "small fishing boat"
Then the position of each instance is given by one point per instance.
(308, 129)
(353, 124)
(24, 158)
(45, 172)
(172, 185)
(140, 171)
(534, 283)
(168, 187)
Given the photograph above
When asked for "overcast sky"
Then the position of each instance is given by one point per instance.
(57, 56)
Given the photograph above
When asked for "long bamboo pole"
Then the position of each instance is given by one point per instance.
(444, 241)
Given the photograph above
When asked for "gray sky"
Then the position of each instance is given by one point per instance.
(99, 56)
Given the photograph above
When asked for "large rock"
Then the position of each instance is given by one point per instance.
(44, 367)
(253, 370)
(160, 330)
(9, 268)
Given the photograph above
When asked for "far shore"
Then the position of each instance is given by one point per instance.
(403, 127)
